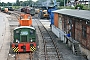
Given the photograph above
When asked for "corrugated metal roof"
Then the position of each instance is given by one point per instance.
(84, 14)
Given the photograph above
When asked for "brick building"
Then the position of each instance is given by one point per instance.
(73, 28)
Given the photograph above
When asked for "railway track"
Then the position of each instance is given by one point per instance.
(16, 13)
(24, 56)
(49, 47)
(13, 22)
(49, 50)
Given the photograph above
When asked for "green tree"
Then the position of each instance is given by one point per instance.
(17, 3)
(62, 2)
(41, 0)
(80, 6)
(9, 4)
(21, 3)
(3, 4)
(29, 2)
(14, 4)
(25, 3)
(0, 4)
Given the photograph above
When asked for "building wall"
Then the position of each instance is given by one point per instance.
(77, 32)
(85, 43)
(64, 23)
(88, 37)
(60, 22)
(82, 41)
(67, 24)
(76, 24)
(57, 27)
(78, 35)
(56, 19)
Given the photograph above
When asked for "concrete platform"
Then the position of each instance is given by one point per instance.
(4, 36)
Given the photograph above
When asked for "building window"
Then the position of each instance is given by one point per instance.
(60, 23)
(84, 31)
(65, 25)
(70, 24)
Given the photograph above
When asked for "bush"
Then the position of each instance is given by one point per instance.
(16, 7)
(79, 6)
(67, 7)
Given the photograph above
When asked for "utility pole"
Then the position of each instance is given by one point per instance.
(88, 4)
(64, 3)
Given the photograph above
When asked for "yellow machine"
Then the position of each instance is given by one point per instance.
(43, 13)
(6, 10)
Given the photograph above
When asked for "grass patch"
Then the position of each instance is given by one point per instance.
(16, 7)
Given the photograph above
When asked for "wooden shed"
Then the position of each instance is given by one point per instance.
(73, 28)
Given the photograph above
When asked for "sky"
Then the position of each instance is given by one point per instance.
(13, 0)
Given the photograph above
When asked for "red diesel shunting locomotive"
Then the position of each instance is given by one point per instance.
(24, 35)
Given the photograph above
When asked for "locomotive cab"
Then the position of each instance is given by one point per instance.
(24, 39)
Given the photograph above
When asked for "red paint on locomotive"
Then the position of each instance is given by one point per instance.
(24, 47)
(24, 20)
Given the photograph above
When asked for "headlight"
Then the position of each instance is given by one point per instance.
(17, 41)
(31, 40)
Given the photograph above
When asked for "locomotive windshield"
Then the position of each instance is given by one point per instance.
(24, 33)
